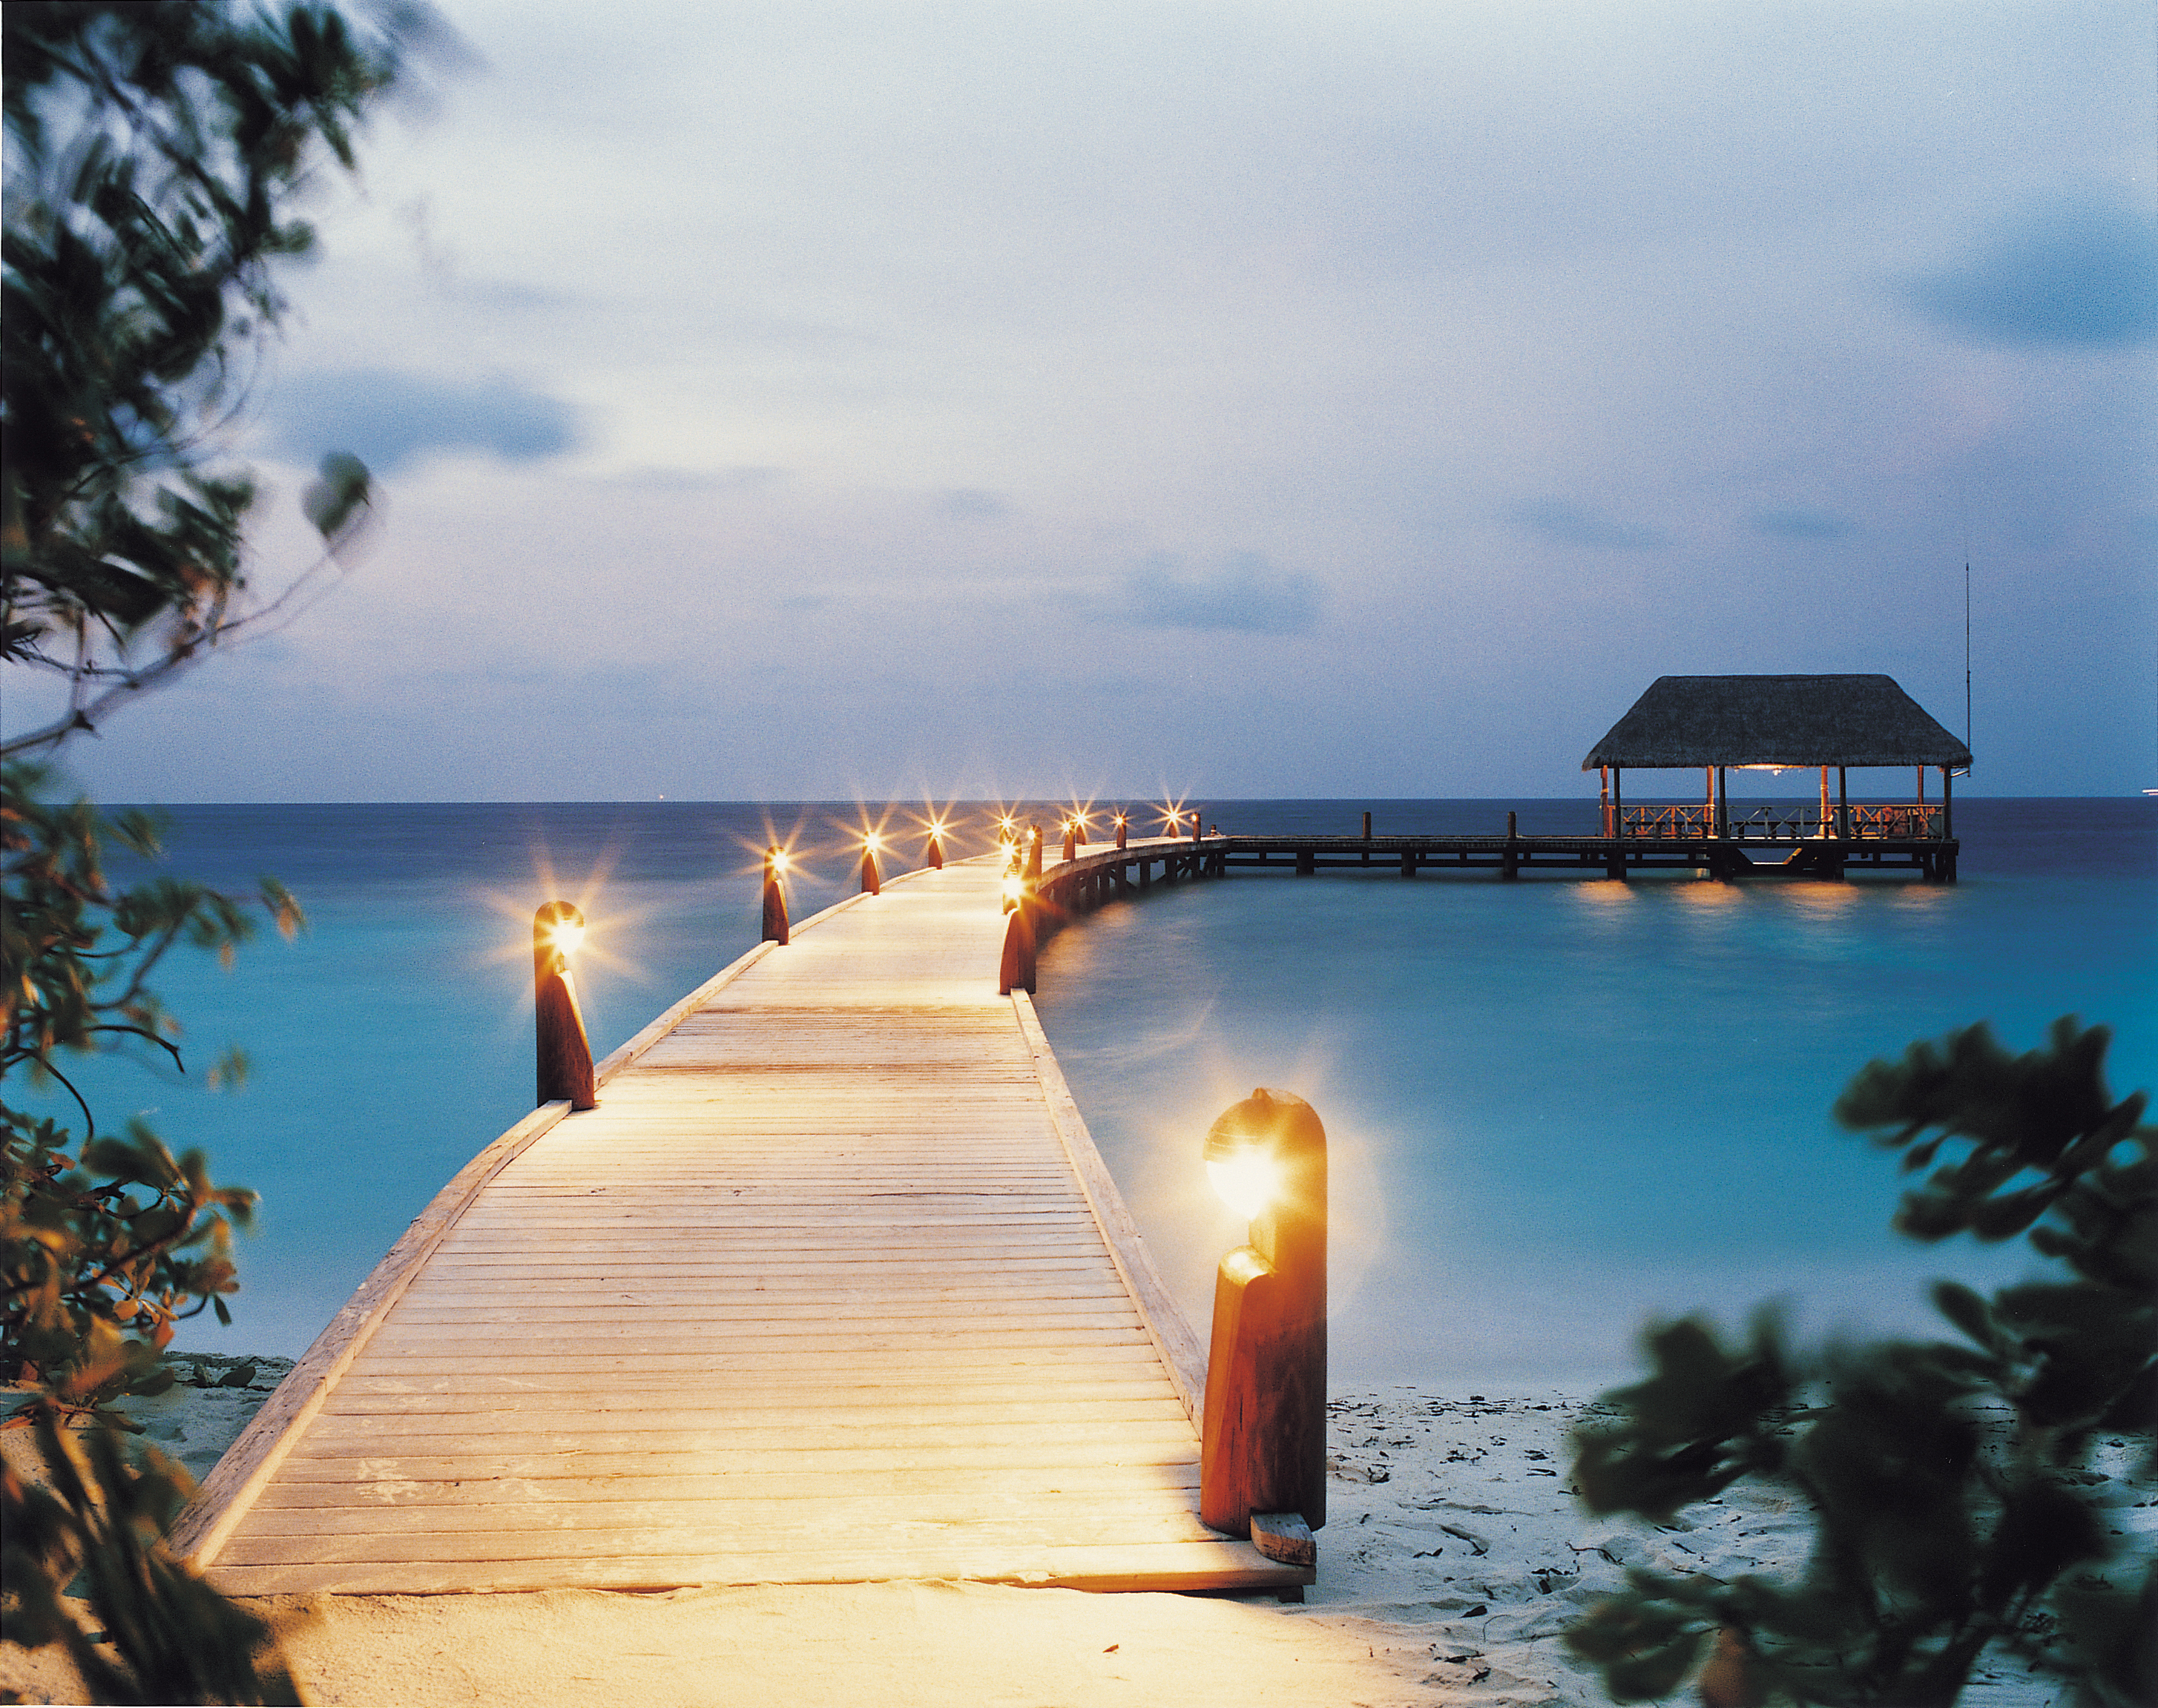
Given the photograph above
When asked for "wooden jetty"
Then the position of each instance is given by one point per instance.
(1779, 842)
(831, 1286)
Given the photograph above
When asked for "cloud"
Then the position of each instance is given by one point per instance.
(1571, 525)
(1250, 595)
(971, 503)
(740, 478)
(2074, 272)
(391, 419)
(1798, 524)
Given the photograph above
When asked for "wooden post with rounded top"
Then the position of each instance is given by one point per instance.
(1122, 829)
(774, 896)
(1071, 839)
(564, 1052)
(870, 883)
(1262, 1444)
(1034, 851)
(1509, 861)
(934, 859)
(1015, 967)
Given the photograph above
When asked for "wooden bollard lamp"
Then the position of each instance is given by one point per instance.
(564, 1052)
(774, 896)
(871, 885)
(1122, 829)
(1015, 967)
(1033, 851)
(1263, 1451)
(934, 859)
(1071, 838)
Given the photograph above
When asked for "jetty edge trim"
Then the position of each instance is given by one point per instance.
(1166, 1325)
(229, 1492)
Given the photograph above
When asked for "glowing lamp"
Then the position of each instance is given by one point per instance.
(567, 935)
(563, 1053)
(1247, 1181)
(1262, 1451)
(774, 896)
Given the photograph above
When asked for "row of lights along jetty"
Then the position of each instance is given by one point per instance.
(1263, 1451)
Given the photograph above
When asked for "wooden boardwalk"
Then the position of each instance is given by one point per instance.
(831, 1286)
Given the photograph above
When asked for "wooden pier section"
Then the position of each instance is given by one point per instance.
(831, 1286)
(1882, 846)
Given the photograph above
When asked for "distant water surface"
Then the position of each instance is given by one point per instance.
(1554, 1105)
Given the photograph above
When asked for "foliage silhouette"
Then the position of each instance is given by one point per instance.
(156, 156)
(1956, 1502)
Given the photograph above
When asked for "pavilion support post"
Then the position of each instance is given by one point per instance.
(1617, 826)
(1603, 798)
(1722, 801)
(1367, 827)
(1824, 804)
(1843, 803)
(1948, 805)
(1708, 802)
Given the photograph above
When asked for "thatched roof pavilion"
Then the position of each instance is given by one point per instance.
(1715, 723)
(1843, 721)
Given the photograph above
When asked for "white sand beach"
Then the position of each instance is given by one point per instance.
(1453, 1559)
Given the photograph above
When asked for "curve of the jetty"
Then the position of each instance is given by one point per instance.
(832, 1286)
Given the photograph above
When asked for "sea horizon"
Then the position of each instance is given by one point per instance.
(1499, 1063)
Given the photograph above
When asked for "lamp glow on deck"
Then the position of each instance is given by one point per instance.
(1246, 1182)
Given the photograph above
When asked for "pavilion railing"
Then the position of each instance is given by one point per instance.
(1774, 824)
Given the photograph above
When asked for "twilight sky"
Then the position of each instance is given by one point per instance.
(1316, 399)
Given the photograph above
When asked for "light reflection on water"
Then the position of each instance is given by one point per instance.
(1553, 1104)
(1556, 1107)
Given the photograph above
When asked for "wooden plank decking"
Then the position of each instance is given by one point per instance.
(830, 1286)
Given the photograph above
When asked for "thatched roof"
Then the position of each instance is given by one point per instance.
(1704, 720)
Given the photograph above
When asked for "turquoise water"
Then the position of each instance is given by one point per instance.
(1554, 1105)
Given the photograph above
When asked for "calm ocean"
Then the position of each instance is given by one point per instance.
(1554, 1106)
